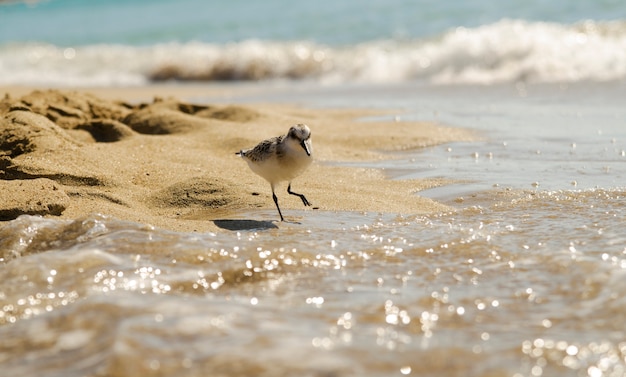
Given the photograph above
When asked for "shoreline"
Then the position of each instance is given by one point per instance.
(171, 164)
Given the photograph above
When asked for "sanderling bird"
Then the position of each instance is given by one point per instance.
(281, 158)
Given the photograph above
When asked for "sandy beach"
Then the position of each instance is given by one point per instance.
(171, 164)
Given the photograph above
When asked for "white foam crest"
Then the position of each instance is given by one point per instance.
(512, 50)
(505, 51)
(97, 65)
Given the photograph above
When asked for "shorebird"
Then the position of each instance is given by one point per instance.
(281, 158)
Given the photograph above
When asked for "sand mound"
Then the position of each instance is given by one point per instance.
(31, 197)
(198, 192)
(69, 109)
(26, 132)
(152, 121)
(230, 113)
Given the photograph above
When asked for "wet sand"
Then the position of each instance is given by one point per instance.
(171, 164)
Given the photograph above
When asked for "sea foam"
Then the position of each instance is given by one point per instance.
(505, 51)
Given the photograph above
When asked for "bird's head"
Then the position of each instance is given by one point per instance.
(302, 134)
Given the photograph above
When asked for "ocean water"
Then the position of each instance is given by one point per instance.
(71, 42)
(525, 276)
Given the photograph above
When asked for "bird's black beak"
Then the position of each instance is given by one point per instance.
(306, 147)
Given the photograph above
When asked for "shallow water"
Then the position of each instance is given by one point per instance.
(520, 279)
(517, 283)
(529, 136)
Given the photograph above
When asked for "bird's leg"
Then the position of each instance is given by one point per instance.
(276, 201)
(306, 202)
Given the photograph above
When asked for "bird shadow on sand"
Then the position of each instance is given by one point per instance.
(244, 224)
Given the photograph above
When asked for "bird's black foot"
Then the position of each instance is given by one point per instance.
(301, 196)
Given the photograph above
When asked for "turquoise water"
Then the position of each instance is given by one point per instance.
(99, 43)
(75, 22)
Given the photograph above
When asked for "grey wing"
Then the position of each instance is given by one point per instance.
(263, 150)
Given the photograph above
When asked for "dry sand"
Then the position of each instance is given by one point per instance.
(172, 165)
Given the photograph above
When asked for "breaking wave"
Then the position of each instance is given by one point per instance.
(505, 51)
